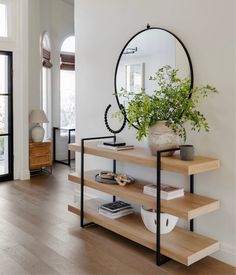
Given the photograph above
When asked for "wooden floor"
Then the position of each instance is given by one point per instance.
(39, 236)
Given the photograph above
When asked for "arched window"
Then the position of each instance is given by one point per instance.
(67, 83)
(46, 83)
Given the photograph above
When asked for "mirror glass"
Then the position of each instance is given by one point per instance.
(143, 55)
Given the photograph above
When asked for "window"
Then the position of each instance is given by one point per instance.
(3, 20)
(6, 114)
(46, 83)
(67, 84)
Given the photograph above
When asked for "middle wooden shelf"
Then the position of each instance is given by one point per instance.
(187, 207)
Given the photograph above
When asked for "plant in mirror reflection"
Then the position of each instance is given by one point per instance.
(172, 101)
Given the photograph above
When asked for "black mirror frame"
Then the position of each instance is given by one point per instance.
(118, 62)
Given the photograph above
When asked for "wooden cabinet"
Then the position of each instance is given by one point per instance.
(40, 155)
(182, 245)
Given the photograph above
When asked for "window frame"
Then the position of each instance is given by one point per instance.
(47, 107)
(10, 133)
(62, 51)
(10, 20)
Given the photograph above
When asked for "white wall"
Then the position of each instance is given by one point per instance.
(57, 18)
(62, 26)
(207, 28)
(35, 63)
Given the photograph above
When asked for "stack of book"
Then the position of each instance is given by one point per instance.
(167, 192)
(117, 147)
(115, 210)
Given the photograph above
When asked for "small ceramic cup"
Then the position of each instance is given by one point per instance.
(186, 152)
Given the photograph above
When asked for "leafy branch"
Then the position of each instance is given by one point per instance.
(173, 101)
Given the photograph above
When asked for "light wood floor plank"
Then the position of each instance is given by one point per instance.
(29, 262)
(10, 267)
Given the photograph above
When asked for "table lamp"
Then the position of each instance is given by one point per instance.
(37, 132)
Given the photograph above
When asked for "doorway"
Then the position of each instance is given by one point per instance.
(6, 116)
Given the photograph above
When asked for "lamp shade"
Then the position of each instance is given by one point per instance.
(38, 116)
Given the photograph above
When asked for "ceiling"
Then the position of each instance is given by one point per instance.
(71, 2)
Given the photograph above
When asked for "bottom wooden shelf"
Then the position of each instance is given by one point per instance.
(181, 245)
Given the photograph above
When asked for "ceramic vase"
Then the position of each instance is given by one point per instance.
(162, 137)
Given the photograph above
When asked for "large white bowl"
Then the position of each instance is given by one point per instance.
(168, 222)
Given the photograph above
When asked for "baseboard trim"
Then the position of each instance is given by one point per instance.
(226, 254)
(24, 175)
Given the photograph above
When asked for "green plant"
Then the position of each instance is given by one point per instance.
(170, 102)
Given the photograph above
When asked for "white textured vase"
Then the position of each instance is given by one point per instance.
(162, 137)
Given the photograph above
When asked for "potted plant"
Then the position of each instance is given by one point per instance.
(163, 115)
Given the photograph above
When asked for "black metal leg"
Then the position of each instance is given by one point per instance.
(82, 178)
(114, 168)
(114, 171)
(69, 141)
(192, 191)
(55, 129)
(54, 143)
(158, 210)
(82, 185)
(160, 259)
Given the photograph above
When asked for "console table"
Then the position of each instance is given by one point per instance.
(182, 245)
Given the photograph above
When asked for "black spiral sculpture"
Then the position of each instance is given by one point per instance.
(107, 124)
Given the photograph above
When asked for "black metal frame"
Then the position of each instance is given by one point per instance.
(160, 259)
(55, 129)
(118, 62)
(9, 176)
(41, 171)
(82, 224)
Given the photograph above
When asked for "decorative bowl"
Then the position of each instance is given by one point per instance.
(168, 222)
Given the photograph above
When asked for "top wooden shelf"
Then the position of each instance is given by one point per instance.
(142, 156)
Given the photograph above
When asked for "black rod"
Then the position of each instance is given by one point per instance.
(114, 171)
(158, 210)
(69, 153)
(192, 191)
(94, 138)
(54, 143)
(82, 185)
(114, 167)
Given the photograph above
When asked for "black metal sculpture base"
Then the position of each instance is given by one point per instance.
(114, 144)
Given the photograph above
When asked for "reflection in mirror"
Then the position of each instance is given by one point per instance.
(134, 77)
(147, 52)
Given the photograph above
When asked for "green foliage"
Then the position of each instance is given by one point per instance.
(170, 102)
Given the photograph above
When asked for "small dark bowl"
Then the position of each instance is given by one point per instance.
(186, 152)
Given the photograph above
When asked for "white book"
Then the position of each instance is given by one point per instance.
(116, 148)
(167, 192)
(116, 215)
(101, 210)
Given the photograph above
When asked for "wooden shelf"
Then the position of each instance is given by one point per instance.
(188, 207)
(181, 245)
(142, 156)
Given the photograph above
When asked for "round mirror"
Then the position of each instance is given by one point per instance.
(145, 53)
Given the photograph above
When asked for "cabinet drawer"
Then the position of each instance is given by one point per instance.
(40, 150)
(40, 161)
